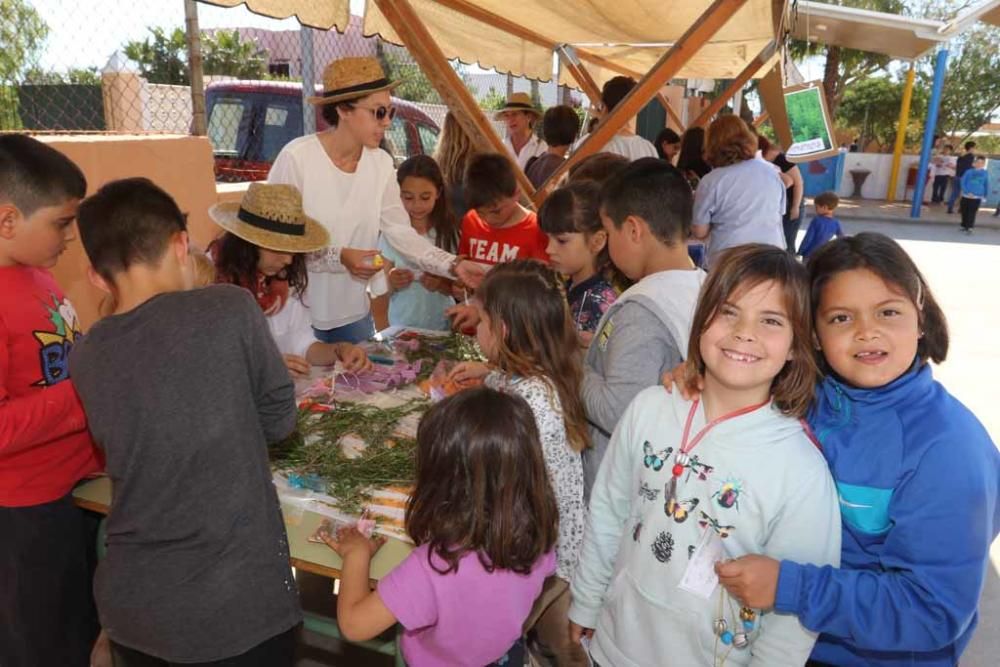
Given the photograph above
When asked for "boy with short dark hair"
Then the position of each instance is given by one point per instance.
(560, 125)
(646, 210)
(46, 608)
(824, 226)
(184, 390)
(497, 228)
(975, 190)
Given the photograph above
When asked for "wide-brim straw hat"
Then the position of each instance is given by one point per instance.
(518, 102)
(271, 216)
(352, 78)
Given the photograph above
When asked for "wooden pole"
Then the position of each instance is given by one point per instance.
(761, 119)
(496, 21)
(199, 123)
(737, 85)
(674, 118)
(580, 74)
(772, 94)
(421, 45)
(665, 69)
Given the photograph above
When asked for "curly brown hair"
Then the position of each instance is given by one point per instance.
(481, 484)
(729, 141)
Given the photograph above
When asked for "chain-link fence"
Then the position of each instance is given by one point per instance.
(121, 66)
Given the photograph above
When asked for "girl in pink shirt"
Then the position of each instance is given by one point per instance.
(484, 520)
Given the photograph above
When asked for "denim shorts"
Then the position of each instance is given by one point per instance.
(355, 332)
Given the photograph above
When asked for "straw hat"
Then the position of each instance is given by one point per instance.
(351, 78)
(518, 102)
(270, 216)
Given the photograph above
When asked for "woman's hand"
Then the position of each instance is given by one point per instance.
(297, 366)
(752, 580)
(586, 337)
(578, 632)
(353, 357)
(689, 386)
(470, 273)
(433, 283)
(350, 543)
(468, 370)
(400, 279)
(360, 263)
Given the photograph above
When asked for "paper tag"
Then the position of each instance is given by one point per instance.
(699, 577)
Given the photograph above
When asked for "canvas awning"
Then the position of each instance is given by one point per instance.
(519, 36)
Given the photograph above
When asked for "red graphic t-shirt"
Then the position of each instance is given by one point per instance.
(45, 447)
(491, 245)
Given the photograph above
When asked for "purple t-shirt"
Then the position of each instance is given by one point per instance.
(469, 617)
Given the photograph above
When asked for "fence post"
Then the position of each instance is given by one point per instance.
(199, 125)
(308, 79)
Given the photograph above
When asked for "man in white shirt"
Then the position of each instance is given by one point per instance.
(520, 115)
(626, 142)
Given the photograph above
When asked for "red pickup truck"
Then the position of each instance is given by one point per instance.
(249, 122)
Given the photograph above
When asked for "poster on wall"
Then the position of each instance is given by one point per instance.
(809, 120)
(993, 169)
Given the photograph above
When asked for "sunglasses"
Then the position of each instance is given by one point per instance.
(380, 113)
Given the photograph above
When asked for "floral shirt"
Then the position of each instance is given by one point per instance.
(589, 300)
(564, 466)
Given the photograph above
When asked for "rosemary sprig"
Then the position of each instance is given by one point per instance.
(316, 448)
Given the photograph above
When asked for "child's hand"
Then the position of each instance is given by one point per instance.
(297, 366)
(578, 632)
(350, 543)
(468, 370)
(470, 273)
(400, 278)
(433, 283)
(689, 386)
(587, 336)
(463, 317)
(354, 358)
(752, 580)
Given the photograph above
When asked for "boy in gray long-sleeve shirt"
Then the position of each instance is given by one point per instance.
(646, 211)
(183, 390)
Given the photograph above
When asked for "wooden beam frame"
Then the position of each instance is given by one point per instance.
(580, 74)
(453, 91)
(495, 20)
(771, 89)
(700, 32)
(674, 118)
(741, 80)
(761, 119)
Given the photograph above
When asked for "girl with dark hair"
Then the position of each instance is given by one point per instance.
(917, 475)
(578, 249)
(526, 332)
(484, 520)
(691, 160)
(687, 483)
(419, 299)
(263, 251)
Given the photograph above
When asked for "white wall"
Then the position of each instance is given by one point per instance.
(878, 180)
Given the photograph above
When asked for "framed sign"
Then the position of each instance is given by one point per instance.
(809, 121)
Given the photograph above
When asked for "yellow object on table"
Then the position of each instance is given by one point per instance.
(320, 559)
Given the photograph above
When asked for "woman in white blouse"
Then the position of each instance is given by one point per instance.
(348, 184)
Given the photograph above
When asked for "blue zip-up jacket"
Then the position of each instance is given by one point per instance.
(918, 477)
(976, 183)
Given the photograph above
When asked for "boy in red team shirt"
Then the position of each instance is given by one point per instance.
(46, 608)
(496, 229)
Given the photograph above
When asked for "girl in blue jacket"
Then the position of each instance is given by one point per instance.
(916, 472)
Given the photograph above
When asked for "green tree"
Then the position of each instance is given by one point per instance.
(871, 108)
(225, 52)
(162, 59)
(414, 85)
(22, 33)
(971, 93)
(86, 76)
(494, 100)
(845, 67)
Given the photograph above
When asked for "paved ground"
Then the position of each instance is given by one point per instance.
(964, 273)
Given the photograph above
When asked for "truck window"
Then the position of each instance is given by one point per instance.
(428, 138)
(224, 122)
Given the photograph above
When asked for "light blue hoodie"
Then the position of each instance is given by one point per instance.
(758, 479)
